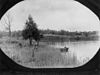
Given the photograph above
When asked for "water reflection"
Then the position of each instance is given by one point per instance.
(82, 49)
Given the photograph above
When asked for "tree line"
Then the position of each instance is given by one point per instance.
(31, 31)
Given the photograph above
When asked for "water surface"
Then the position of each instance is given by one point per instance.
(83, 49)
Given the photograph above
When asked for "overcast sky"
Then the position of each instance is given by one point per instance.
(54, 14)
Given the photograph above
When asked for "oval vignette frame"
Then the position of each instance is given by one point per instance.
(92, 64)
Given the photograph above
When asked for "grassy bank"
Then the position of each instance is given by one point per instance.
(44, 56)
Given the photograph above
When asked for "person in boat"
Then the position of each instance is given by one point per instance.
(65, 49)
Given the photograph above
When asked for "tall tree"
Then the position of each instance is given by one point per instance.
(7, 22)
(31, 31)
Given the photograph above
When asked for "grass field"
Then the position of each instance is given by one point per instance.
(44, 56)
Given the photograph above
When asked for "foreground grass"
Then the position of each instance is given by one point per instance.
(44, 56)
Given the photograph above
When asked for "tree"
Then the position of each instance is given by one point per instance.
(31, 31)
(62, 32)
(7, 22)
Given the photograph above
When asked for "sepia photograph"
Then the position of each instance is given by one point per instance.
(50, 34)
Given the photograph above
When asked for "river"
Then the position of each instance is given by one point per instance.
(83, 49)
